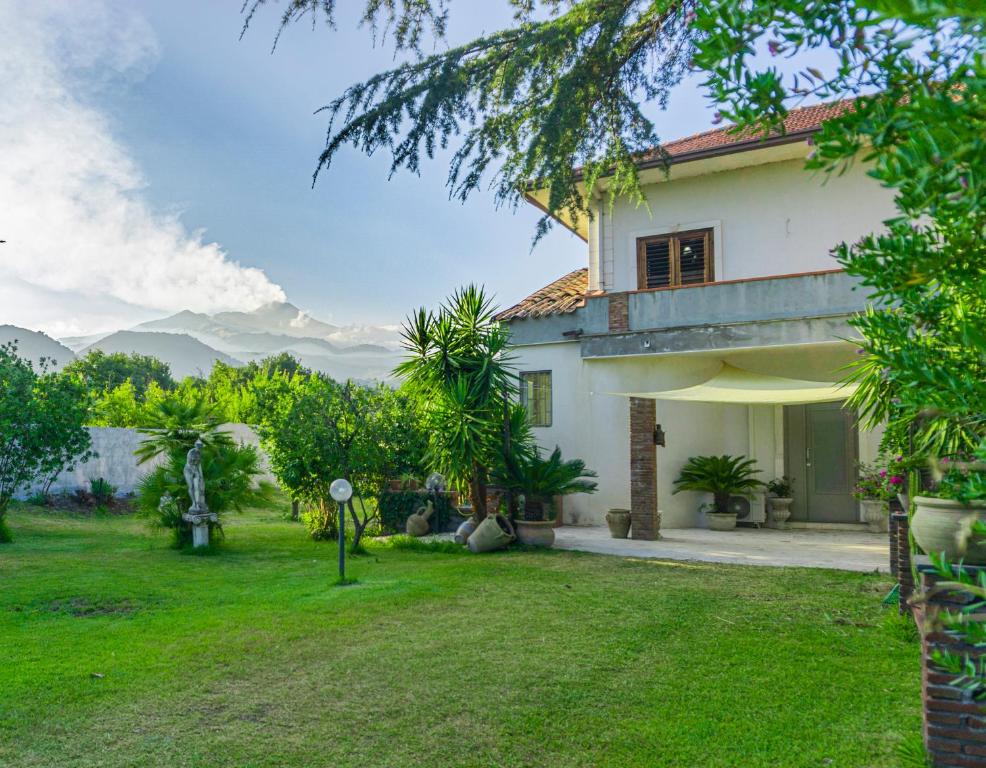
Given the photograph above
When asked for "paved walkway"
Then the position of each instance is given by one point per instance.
(842, 550)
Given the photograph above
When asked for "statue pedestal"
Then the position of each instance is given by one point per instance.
(200, 526)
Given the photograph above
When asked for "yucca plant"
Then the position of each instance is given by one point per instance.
(540, 479)
(721, 476)
(458, 368)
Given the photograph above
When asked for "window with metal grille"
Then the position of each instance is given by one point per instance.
(535, 396)
(666, 261)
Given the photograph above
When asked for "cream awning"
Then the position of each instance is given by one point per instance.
(736, 385)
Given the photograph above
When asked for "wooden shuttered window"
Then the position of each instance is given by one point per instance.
(535, 396)
(667, 261)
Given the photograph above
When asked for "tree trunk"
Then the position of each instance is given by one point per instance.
(722, 503)
(295, 514)
(359, 524)
(477, 493)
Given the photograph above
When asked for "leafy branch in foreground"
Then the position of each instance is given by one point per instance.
(554, 102)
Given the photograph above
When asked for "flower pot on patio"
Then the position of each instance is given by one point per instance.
(721, 521)
(535, 533)
(618, 521)
(780, 511)
(944, 525)
(876, 514)
(495, 532)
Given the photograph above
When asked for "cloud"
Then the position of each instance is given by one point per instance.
(85, 251)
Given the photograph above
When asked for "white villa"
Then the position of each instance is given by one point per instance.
(714, 323)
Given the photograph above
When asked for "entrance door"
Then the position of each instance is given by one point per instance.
(820, 450)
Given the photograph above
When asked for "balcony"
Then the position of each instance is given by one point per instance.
(775, 311)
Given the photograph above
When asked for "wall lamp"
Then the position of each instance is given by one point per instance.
(659, 437)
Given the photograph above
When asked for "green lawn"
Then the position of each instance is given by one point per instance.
(119, 651)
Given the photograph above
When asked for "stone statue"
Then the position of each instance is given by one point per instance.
(435, 483)
(195, 480)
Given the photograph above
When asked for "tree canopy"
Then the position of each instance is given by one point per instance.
(105, 371)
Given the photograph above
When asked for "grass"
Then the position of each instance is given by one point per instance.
(119, 651)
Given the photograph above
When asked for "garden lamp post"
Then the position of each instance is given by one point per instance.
(341, 491)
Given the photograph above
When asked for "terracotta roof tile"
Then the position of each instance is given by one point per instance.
(799, 120)
(566, 294)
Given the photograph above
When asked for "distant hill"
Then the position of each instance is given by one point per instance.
(32, 345)
(277, 317)
(360, 352)
(186, 356)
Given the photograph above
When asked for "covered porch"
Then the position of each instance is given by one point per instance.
(840, 550)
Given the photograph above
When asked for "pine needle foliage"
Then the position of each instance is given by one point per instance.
(554, 101)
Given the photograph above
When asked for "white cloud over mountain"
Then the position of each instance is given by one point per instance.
(85, 251)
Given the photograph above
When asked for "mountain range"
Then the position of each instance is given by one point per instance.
(191, 342)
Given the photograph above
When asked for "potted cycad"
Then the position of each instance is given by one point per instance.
(536, 481)
(722, 476)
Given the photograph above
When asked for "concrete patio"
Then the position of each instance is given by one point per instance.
(841, 550)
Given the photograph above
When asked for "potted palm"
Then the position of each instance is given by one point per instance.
(781, 490)
(537, 481)
(722, 476)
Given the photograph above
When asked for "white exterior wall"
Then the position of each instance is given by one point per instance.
(773, 219)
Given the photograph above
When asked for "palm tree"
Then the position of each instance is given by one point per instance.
(458, 368)
(541, 479)
(174, 424)
(721, 476)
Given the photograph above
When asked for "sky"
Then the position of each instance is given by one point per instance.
(155, 162)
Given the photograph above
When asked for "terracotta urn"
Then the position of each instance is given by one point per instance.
(780, 511)
(618, 521)
(535, 533)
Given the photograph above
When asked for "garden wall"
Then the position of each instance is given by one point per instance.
(116, 464)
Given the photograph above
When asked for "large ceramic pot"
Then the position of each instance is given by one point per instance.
(464, 531)
(721, 521)
(494, 532)
(780, 511)
(535, 533)
(618, 521)
(944, 525)
(876, 514)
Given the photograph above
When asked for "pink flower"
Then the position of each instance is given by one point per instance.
(896, 480)
(883, 473)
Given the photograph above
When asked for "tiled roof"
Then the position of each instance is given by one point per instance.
(798, 121)
(566, 294)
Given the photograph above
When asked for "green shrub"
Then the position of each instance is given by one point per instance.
(396, 506)
(103, 493)
(321, 520)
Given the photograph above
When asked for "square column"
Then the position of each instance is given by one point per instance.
(645, 519)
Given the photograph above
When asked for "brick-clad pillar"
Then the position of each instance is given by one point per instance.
(900, 558)
(954, 722)
(645, 520)
(619, 313)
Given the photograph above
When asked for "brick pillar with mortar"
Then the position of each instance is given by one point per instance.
(619, 313)
(645, 520)
(900, 558)
(954, 722)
